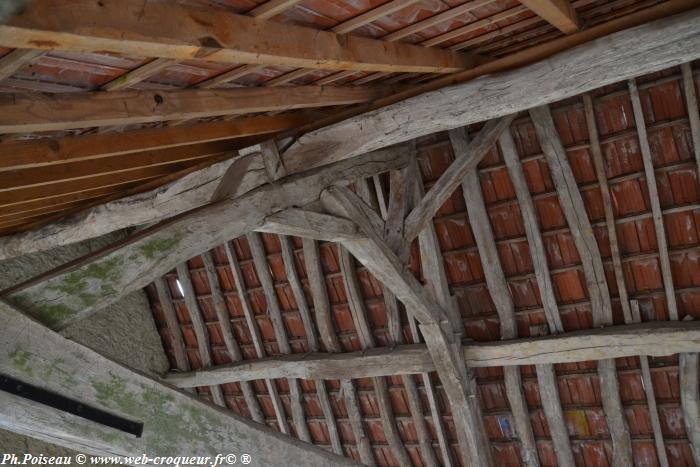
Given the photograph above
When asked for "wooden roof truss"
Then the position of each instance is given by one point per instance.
(326, 187)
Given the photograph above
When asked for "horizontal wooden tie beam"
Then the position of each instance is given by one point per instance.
(653, 339)
(166, 30)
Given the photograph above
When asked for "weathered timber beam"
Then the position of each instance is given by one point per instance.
(501, 297)
(190, 192)
(174, 423)
(155, 29)
(310, 224)
(42, 152)
(631, 52)
(642, 49)
(27, 112)
(652, 339)
(441, 340)
(558, 13)
(467, 157)
(80, 288)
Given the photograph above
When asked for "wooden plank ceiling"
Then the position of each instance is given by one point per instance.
(77, 75)
(614, 138)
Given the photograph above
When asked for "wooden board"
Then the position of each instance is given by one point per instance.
(156, 29)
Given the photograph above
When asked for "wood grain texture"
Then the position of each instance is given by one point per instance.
(232, 346)
(179, 32)
(467, 156)
(631, 52)
(174, 423)
(460, 387)
(22, 113)
(558, 13)
(500, 295)
(596, 344)
(200, 329)
(655, 202)
(101, 278)
(310, 224)
(44, 152)
(174, 331)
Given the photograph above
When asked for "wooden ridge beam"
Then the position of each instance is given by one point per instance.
(27, 112)
(513, 83)
(659, 338)
(174, 423)
(558, 13)
(179, 32)
(103, 277)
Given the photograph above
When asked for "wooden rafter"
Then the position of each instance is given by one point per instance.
(274, 312)
(689, 370)
(41, 112)
(344, 28)
(324, 324)
(469, 156)
(230, 341)
(558, 13)
(574, 210)
(309, 328)
(498, 288)
(133, 28)
(16, 60)
(653, 46)
(43, 152)
(153, 251)
(200, 329)
(672, 40)
(254, 331)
